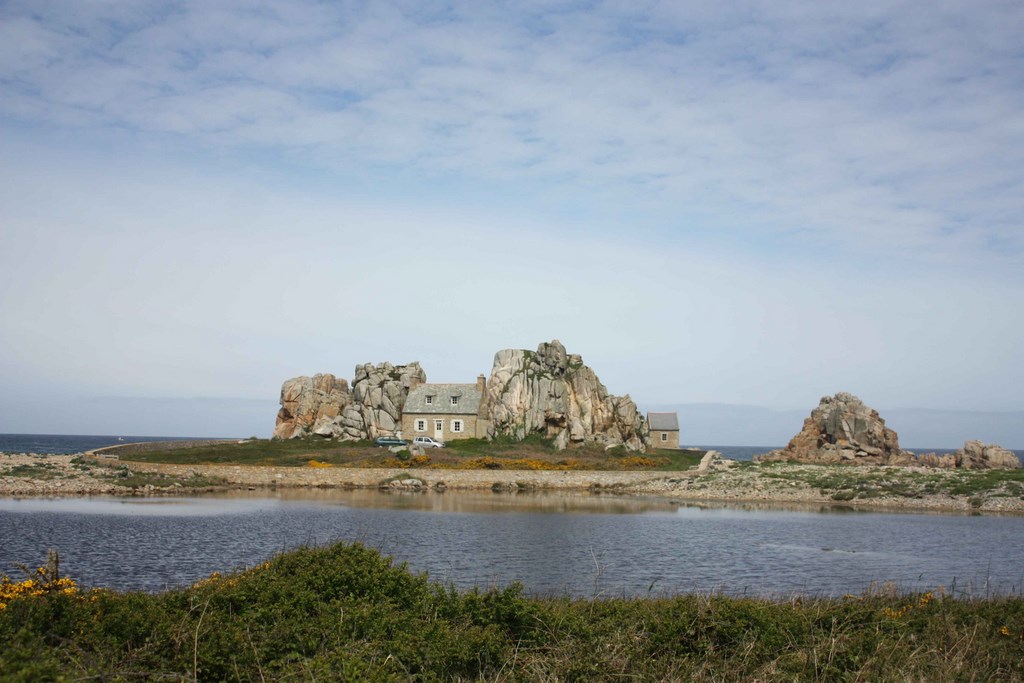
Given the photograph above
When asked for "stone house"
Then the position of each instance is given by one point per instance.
(446, 411)
(664, 429)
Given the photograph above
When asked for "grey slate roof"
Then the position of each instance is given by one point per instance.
(663, 422)
(469, 399)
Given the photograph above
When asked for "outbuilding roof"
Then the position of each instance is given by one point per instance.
(663, 422)
(468, 402)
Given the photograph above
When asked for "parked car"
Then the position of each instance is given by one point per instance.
(427, 442)
(389, 441)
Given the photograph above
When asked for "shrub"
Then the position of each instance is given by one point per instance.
(345, 612)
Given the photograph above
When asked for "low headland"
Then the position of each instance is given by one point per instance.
(188, 468)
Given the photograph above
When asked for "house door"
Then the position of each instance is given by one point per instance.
(439, 429)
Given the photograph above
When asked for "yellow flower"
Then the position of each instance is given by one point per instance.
(896, 613)
(1005, 630)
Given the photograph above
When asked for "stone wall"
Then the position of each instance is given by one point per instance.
(664, 439)
(360, 477)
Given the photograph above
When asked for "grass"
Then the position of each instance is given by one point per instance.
(533, 452)
(344, 612)
(279, 452)
(122, 475)
(42, 471)
(844, 482)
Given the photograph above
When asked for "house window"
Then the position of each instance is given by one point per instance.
(438, 426)
(455, 400)
(664, 436)
(456, 425)
(421, 425)
(430, 400)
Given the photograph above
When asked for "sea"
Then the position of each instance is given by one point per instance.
(63, 444)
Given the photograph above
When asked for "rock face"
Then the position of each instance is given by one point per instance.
(979, 456)
(975, 455)
(323, 405)
(843, 429)
(552, 393)
(309, 401)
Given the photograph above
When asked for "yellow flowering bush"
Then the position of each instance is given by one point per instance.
(317, 463)
(489, 463)
(634, 461)
(45, 581)
(896, 614)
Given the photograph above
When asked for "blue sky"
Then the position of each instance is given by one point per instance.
(740, 203)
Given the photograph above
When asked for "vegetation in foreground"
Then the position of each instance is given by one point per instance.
(345, 613)
(533, 453)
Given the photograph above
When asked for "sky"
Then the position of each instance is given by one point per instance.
(715, 204)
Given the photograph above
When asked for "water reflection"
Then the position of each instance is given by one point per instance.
(235, 502)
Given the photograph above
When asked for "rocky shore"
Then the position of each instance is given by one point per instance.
(38, 475)
(902, 488)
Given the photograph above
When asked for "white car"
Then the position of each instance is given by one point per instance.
(427, 442)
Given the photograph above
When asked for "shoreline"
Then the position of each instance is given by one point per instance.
(88, 474)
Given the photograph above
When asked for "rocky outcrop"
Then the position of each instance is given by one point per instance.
(324, 405)
(975, 455)
(307, 402)
(552, 393)
(843, 429)
(547, 392)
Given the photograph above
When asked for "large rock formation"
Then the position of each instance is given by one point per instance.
(309, 401)
(843, 429)
(379, 394)
(323, 405)
(546, 392)
(552, 393)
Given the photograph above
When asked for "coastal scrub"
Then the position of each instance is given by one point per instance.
(345, 612)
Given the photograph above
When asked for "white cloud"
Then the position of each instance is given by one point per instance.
(863, 126)
(747, 203)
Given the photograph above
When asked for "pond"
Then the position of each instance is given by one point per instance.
(583, 545)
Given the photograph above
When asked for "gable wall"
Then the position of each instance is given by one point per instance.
(671, 439)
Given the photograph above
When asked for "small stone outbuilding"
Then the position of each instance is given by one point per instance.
(664, 429)
(446, 411)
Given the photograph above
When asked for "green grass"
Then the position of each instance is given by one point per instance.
(847, 482)
(298, 452)
(122, 475)
(278, 452)
(346, 613)
(40, 471)
(679, 459)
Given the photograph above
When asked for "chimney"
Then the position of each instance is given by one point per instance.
(481, 384)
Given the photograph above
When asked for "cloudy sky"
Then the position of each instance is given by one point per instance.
(714, 203)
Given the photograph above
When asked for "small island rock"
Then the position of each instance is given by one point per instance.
(843, 429)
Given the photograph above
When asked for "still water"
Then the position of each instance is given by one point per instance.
(581, 545)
